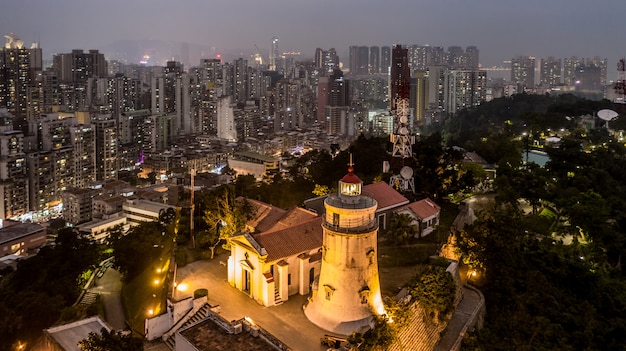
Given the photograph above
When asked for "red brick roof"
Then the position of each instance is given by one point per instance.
(294, 216)
(265, 216)
(424, 208)
(291, 241)
(385, 195)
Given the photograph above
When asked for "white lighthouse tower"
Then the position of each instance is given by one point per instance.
(346, 295)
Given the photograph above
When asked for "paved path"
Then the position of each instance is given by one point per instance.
(109, 287)
(287, 321)
(464, 311)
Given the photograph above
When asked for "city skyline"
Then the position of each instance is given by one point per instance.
(500, 29)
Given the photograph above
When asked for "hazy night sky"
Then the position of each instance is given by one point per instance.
(501, 29)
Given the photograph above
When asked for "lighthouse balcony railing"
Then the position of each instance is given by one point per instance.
(363, 201)
(352, 226)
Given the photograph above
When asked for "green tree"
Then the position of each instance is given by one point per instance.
(111, 341)
(142, 244)
(224, 216)
(400, 228)
(435, 289)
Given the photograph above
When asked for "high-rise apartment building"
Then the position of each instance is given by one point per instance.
(106, 136)
(374, 60)
(418, 100)
(399, 82)
(550, 72)
(359, 60)
(523, 71)
(77, 66)
(171, 95)
(385, 59)
(570, 65)
(226, 127)
(84, 155)
(465, 89)
(13, 179)
(114, 95)
(338, 104)
(326, 60)
(18, 69)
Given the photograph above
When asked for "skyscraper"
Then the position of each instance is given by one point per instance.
(385, 59)
(374, 60)
(523, 71)
(570, 65)
(550, 72)
(399, 82)
(465, 89)
(359, 60)
(274, 54)
(18, 66)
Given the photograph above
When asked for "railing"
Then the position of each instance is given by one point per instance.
(352, 226)
(360, 202)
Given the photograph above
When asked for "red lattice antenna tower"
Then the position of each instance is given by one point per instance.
(401, 138)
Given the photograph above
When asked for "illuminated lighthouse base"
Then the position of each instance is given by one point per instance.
(346, 295)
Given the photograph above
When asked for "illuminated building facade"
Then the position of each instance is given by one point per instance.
(346, 295)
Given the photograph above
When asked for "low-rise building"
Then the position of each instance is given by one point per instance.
(17, 238)
(66, 337)
(77, 205)
(425, 214)
(252, 163)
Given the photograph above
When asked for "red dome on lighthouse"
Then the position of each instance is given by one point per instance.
(351, 178)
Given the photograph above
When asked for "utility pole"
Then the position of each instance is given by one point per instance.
(192, 207)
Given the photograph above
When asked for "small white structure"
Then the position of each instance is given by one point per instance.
(425, 214)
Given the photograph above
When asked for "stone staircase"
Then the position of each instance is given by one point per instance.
(196, 318)
(277, 299)
(88, 298)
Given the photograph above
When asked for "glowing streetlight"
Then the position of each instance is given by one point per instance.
(182, 287)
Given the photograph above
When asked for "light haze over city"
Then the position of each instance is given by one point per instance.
(500, 29)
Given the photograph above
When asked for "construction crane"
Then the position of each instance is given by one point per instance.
(258, 58)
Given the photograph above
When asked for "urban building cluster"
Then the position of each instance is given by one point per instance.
(574, 74)
(80, 120)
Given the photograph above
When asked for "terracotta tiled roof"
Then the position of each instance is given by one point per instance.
(293, 217)
(385, 195)
(424, 208)
(265, 216)
(291, 241)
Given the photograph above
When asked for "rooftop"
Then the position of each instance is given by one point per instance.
(69, 335)
(424, 208)
(385, 195)
(293, 240)
(208, 336)
(19, 230)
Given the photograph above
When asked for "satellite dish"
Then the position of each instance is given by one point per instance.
(406, 172)
(404, 131)
(607, 115)
(403, 119)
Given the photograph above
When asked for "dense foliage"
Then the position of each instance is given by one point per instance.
(34, 296)
(138, 248)
(111, 341)
(435, 290)
(552, 271)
